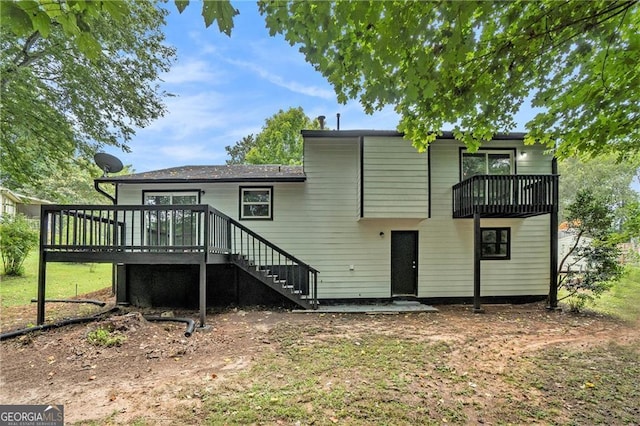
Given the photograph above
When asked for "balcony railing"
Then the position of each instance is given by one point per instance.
(505, 196)
(168, 234)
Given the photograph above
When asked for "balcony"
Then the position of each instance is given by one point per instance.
(508, 196)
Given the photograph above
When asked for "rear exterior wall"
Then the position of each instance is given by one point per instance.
(327, 222)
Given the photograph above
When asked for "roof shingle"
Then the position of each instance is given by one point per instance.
(227, 173)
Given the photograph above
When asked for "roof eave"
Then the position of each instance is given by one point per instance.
(204, 180)
(393, 133)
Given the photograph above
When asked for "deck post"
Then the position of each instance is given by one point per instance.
(42, 278)
(42, 264)
(553, 241)
(477, 253)
(207, 216)
(203, 293)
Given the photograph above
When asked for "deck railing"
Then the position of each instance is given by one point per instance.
(505, 196)
(117, 233)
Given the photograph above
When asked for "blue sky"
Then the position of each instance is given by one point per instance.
(226, 87)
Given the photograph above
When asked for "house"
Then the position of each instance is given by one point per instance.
(9, 201)
(13, 203)
(366, 217)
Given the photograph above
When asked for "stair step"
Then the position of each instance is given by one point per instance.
(264, 274)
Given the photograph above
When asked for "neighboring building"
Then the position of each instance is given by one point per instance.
(13, 203)
(9, 202)
(366, 217)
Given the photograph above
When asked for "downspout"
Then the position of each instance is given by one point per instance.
(188, 321)
(96, 185)
(41, 327)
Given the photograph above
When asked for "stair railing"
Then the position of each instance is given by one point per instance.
(228, 236)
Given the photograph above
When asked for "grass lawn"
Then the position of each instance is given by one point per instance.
(623, 300)
(63, 280)
(412, 382)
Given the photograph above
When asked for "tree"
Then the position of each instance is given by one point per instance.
(279, 141)
(238, 151)
(78, 175)
(75, 18)
(17, 239)
(605, 177)
(590, 267)
(473, 65)
(81, 80)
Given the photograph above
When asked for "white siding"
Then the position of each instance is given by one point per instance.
(8, 205)
(395, 179)
(318, 220)
(447, 258)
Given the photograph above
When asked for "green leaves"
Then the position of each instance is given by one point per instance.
(181, 5)
(472, 65)
(279, 141)
(64, 96)
(15, 18)
(26, 17)
(212, 11)
(220, 11)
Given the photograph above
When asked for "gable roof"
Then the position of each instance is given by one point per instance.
(22, 199)
(226, 173)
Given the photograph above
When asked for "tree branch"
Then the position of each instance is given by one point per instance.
(606, 55)
(575, 245)
(23, 58)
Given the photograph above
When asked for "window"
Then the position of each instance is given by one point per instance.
(256, 203)
(490, 191)
(495, 243)
(487, 163)
(171, 227)
(168, 198)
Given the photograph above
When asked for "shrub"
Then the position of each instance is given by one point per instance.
(17, 239)
(594, 252)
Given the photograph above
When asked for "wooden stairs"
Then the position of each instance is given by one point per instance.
(291, 281)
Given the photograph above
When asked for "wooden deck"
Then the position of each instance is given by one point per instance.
(176, 234)
(508, 196)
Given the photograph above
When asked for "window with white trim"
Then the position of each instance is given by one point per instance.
(495, 243)
(256, 203)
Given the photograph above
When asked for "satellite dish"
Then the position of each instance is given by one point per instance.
(108, 163)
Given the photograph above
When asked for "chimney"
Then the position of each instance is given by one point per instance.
(338, 121)
(321, 119)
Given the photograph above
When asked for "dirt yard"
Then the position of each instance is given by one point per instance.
(158, 371)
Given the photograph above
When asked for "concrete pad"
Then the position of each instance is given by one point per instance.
(395, 307)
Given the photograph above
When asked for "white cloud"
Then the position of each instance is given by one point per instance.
(200, 39)
(184, 154)
(192, 71)
(293, 86)
(190, 114)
